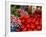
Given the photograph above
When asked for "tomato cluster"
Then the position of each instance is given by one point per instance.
(33, 22)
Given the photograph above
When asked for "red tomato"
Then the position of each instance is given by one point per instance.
(39, 27)
(33, 26)
(28, 25)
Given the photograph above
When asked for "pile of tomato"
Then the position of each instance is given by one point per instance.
(33, 22)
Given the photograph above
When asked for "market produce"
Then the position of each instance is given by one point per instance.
(27, 22)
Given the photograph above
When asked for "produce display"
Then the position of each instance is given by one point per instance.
(25, 18)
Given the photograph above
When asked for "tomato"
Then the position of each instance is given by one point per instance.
(39, 27)
(32, 26)
(28, 25)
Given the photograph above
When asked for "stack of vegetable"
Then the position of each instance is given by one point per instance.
(23, 20)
